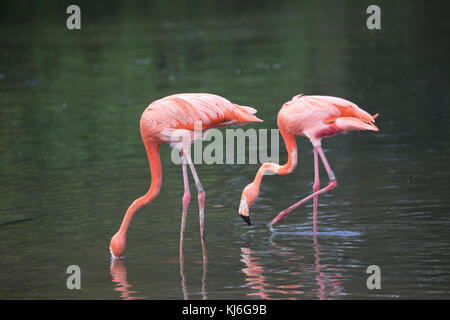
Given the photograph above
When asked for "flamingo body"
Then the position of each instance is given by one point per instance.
(179, 113)
(314, 117)
(164, 121)
(317, 117)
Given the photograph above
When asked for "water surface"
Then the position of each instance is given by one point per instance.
(72, 160)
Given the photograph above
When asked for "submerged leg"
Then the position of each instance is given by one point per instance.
(316, 187)
(331, 185)
(201, 200)
(201, 203)
(186, 199)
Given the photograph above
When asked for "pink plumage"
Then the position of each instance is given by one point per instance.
(172, 120)
(314, 117)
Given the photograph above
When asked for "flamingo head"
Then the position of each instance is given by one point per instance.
(117, 245)
(249, 195)
(363, 122)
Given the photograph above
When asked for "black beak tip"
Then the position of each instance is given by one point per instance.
(246, 219)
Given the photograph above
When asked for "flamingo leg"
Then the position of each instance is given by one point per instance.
(331, 185)
(186, 200)
(201, 200)
(316, 187)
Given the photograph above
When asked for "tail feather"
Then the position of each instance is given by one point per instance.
(246, 114)
(248, 109)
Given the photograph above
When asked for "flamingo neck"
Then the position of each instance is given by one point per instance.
(288, 167)
(153, 154)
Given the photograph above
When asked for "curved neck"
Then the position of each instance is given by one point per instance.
(152, 149)
(288, 167)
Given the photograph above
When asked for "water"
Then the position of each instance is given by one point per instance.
(72, 160)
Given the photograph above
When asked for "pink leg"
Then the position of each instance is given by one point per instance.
(186, 157)
(330, 186)
(186, 199)
(325, 164)
(316, 187)
(201, 201)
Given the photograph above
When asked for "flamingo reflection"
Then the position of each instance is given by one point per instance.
(256, 280)
(323, 279)
(328, 284)
(183, 277)
(119, 276)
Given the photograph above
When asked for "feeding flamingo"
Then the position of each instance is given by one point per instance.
(171, 120)
(314, 117)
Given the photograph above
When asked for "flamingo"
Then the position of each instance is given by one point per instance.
(314, 117)
(173, 120)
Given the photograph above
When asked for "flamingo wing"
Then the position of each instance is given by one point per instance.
(182, 111)
(304, 112)
(187, 111)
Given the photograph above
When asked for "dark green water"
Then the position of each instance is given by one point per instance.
(72, 160)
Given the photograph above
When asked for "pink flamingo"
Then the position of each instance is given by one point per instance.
(314, 117)
(172, 120)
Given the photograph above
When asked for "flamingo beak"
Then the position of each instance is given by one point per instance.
(246, 219)
(244, 211)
